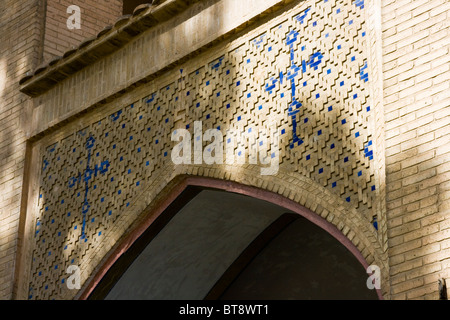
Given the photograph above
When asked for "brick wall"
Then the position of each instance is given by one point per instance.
(20, 24)
(416, 99)
(416, 42)
(22, 31)
(95, 15)
(331, 172)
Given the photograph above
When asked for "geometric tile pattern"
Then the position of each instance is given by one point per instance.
(307, 71)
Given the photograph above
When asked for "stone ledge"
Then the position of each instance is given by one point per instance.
(62, 99)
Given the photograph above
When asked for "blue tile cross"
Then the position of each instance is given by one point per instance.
(293, 72)
(85, 176)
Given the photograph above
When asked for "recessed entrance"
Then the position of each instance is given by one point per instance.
(214, 244)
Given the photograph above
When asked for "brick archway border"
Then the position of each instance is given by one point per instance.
(225, 185)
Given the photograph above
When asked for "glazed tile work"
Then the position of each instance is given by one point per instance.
(305, 72)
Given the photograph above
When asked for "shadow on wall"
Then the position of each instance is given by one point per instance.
(130, 5)
(71, 221)
(321, 136)
(19, 54)
(418, 192)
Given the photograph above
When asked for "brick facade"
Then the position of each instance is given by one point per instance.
(24, 26)
(371, 141)
(417, 104)
(95, 16)
(20, 37)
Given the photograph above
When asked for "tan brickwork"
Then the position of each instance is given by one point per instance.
(88, 154)
(95, 15)
(21, 26)
(416, 63)
(95, 178)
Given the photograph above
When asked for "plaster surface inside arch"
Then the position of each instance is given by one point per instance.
(198, 244)
(125, 140)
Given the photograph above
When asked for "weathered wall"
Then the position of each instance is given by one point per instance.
(301, 72)
(416, 42)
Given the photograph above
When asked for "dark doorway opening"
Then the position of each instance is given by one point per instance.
(213, 244)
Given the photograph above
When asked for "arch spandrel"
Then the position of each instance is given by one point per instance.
(300, 77)
(342, 224)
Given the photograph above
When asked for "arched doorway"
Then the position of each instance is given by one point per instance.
(214, 244)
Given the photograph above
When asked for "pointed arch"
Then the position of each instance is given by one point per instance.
(174, 196)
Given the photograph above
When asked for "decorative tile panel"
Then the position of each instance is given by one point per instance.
(305, 70)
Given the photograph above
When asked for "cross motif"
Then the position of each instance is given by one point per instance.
(293, 72)
(85, 176)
